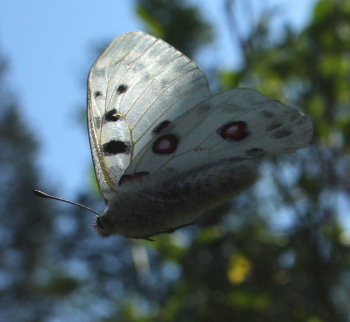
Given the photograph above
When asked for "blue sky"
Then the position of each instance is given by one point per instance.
(50, 47)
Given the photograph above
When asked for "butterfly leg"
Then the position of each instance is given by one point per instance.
(171, 230)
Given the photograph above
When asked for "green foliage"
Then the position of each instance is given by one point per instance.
(175, 22)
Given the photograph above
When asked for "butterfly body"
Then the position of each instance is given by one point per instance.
(164, 149)
(145, 207)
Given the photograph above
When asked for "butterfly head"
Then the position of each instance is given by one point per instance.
(102, 225)
(113, 220)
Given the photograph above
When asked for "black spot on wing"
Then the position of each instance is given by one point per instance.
(111, 116)
(97, 94)
(267, 114)
(116, 147)
(160, 127)
(97, 122)
(122, 89)
(273, 126)
(282, 133)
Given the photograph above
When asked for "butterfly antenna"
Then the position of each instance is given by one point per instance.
(45, 195)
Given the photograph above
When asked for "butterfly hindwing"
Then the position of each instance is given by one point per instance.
(138, 83)
(240, 124)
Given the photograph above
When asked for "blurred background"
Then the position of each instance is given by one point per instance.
(278, 252)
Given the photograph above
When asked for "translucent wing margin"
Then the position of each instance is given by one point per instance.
(137, 86)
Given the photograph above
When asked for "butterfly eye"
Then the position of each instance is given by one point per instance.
(101, 227)
(100, 224)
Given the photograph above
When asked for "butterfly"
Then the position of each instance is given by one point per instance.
(164, 148)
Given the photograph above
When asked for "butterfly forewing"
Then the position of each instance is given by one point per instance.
(138, 84)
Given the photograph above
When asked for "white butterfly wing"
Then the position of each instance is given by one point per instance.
(238, 124)
(137, 85)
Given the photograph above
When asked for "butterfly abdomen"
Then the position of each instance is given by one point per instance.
(209, 186)
(143, 208)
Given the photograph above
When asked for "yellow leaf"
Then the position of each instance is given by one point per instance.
(239, 268)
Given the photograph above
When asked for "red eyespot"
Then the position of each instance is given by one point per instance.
(125, 178)
(140, 175)
(165, 144)
(136, 176)
(234, 131)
